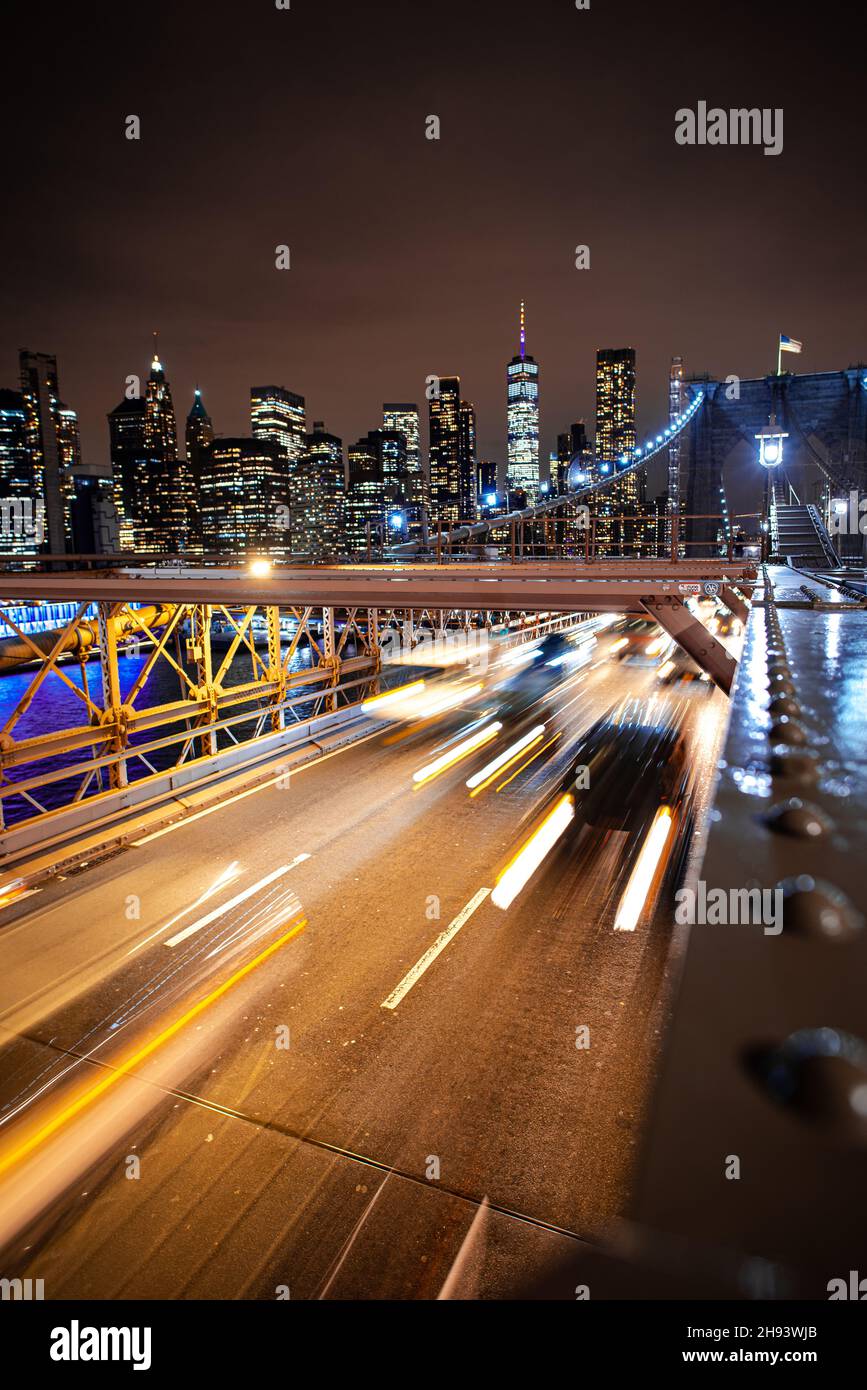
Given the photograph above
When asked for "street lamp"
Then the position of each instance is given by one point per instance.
(771, 444)
(770, 456)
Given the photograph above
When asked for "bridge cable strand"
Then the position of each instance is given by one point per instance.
(641, 455)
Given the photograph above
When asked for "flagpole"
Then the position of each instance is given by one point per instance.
(779, 354)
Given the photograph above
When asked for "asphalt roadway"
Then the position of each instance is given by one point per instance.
(349, 1075)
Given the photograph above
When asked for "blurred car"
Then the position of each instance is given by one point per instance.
(724, 625)
(632, 774)
(680, 669)
(534, 671)
(626, 765)
(629, 777)
(639, 639)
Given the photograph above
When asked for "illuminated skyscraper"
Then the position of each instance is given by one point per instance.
(573, 446)
(467, 468)
(93, 513)
(615, 403)
(199, 433)
(161, 435)
(391, 447)
(129, 463)
(318, 531)
(615, 446)
(162, 499)
(522, 418)
(48, 439)
(243, 483)
(404, 417)
(68, 439)
(366, 495)
(199, 436)
(445, 457)
(16, 476)
(279, 415)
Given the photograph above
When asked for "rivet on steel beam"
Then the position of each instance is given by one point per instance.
(779, 685)
(783, 704)
(800, 819)
(820, 1075)
(814, 907)
(802, 766)
(785, 730)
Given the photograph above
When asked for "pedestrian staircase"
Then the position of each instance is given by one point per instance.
(798, 534)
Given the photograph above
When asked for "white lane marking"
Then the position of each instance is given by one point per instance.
(251, 791)
(433, 951)
(225, 878)
(234, 902)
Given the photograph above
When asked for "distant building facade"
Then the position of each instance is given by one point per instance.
(318, 528)
(615, 447)
(241, 494)
(444, 416)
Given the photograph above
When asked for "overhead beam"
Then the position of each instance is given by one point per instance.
(689, 633)
(734, 603)
(600, 588)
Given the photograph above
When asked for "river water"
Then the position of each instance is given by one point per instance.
(56, 707)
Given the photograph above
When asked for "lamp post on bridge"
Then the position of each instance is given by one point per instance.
(770, 439)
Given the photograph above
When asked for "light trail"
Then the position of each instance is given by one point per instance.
(98, 1088)
(641, 879)
(15, 892)
(455, 755)
(659, 645)
(480, 780)
(538, 753)
(530, 855)
(230, 873)
(239, 898)
(452, 700)
(392, 695)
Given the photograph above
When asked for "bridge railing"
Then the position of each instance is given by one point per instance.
(135, 695)
(592, 537)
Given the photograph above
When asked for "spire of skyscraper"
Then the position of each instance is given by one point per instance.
(523, 333)
(197, 409)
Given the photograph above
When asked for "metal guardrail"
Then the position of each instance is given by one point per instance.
(124, 739)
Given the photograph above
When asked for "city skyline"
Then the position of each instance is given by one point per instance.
(348, 310)
(283, 415)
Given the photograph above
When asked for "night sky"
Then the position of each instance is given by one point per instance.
(410, 256)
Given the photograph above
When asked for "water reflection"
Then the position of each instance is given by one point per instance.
(55, 706)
